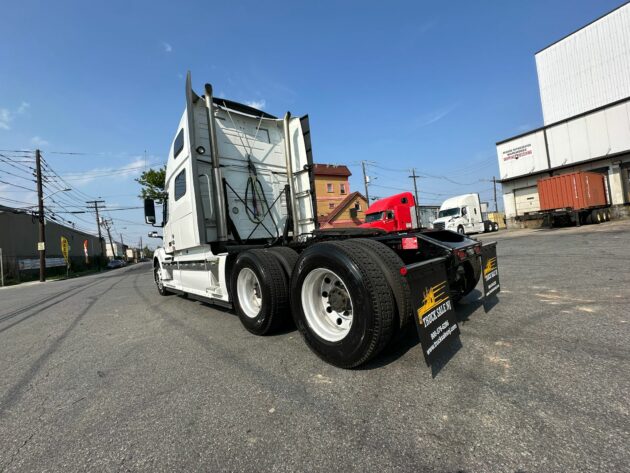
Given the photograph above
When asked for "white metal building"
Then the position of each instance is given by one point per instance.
(584, 82)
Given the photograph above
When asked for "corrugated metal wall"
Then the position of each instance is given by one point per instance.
(588, 69)
(19, 234)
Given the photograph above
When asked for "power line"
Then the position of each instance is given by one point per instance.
(16, 185)
(19, 177)
(16, 165)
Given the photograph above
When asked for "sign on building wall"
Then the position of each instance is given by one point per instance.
(522, 155)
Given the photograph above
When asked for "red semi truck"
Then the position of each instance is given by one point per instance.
(392, 214)
(577, 197)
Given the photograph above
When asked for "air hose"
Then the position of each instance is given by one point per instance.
(260, 207)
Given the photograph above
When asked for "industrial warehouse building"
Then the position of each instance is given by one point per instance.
(19, 234)
(584, 82)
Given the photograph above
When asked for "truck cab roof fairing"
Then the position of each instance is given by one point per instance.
(239, 107)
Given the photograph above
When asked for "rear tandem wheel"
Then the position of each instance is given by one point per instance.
(342, 304)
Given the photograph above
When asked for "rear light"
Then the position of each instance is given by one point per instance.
(403, 271)
(410, 243)
(461, 254)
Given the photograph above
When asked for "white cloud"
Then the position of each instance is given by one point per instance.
(24, 106)
(167, 47)
(5, 119)
(14, 197)
(39, 141)
(132, 169)
(6, 115)
(435, 116)
(259, 104)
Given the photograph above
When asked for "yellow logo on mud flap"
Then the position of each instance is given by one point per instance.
(433, 297)
(491, 265)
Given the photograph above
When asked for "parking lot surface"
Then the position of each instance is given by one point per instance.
(103, 374)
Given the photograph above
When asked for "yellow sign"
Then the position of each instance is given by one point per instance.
(491, 265)
(433, 297)
(64, 249)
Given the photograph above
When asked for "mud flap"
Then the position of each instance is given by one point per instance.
(432, 307)
(490, 270)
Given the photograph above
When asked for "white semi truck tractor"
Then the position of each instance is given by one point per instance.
(240, 230)
(464, 214)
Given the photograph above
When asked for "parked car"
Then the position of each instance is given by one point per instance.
(115, 263)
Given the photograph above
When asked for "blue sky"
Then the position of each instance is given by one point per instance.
(430, 85)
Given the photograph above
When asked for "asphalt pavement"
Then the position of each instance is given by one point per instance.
(103, 374)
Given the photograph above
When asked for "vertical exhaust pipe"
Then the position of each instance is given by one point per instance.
(219, 195)
(287, 152)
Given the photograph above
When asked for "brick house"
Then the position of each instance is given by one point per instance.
(336, 205)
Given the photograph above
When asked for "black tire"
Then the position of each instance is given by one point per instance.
(273, 286)
(372, 303)
(467, 280)
(288, 258)
(461, 230)
(608, 216)
(390, 264)
(158, 281)
(596, 216)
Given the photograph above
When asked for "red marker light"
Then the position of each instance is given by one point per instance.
(403, 271)
(410, 243)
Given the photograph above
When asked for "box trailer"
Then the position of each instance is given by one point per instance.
(240, 230)
(579, 197)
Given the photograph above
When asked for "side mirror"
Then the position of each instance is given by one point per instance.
(149, 211)
(154, 234)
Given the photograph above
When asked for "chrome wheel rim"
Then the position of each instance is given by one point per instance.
(249, 294)
(158, 278)
(327, 305)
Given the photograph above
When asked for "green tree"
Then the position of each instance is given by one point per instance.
(152, 182)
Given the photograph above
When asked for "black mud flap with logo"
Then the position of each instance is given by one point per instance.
(490, 270)
(432, 306)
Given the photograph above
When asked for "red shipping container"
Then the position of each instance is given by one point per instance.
(577, 190)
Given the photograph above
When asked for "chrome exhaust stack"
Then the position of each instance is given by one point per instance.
(287, 151)
(217, 177)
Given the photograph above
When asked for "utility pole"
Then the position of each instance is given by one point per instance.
(366, 180)
(107, 224)
(494, 185)
(122, 247)
(415, 193)
(141, 249)
(98, 222)
(41, 245)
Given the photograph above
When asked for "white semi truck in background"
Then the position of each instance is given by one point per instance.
(464, 214)
(240, 230)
